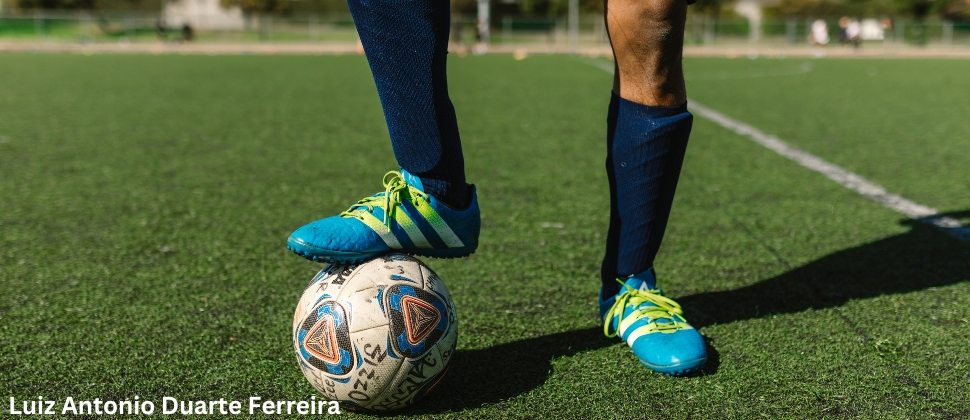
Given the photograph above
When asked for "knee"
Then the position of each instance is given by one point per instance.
(653, 21)
(648, 10)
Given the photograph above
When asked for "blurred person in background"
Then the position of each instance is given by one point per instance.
(187, 33)
(888, 29)
(480, 47)
(458, 36)
(428, 209)
(886, 23)
(818, 36)
(161, 31)
(843, 30)
(853, 33)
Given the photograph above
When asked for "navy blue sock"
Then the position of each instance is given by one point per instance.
(406, 42)
(608, 269)
(645, 152)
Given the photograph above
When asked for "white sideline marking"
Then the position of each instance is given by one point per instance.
(600, 64)
(847, 179)
(874, 192)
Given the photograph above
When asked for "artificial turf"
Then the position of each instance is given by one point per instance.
(900, 123)
(145, 202)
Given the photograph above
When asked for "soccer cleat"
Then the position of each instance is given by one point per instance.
(403, 219)
(653, 326)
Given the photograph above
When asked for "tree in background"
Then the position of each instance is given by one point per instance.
(917, 9)
(540, 14)
(958, 10)
(257, 7)
(554, 8)
(122, 5)
(251, 7)
(709, 11)
(804, 8)
(319, 6)
(54, 4)
(710, 7)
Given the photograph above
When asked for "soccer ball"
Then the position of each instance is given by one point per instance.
(376, 336)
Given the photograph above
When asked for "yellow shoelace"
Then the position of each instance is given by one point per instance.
(394, 188)
(665, 308)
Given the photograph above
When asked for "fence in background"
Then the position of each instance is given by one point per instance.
(130, 27)
(701, 31)
(118, 27)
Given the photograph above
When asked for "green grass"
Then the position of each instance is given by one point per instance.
(113, 29)
(900, 123)
(145, 201)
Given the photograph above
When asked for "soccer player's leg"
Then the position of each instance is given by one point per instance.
(648, 128)
(427, 208)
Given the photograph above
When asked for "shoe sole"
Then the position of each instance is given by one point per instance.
(679, 369)
(321, 255)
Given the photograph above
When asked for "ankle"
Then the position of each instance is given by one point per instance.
(452, 194)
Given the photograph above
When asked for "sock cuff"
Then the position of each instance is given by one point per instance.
(639, 118)
(455, 195)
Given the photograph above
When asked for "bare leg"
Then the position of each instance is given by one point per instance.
(648, 43)
(647, 130)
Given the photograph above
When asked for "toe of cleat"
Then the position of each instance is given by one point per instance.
(672, 354)
(682, 369)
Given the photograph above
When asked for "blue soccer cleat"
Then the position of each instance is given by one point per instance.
(403, 219)
(653, 326)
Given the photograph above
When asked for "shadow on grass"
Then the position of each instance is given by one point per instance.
(922, 258)
(491, 375)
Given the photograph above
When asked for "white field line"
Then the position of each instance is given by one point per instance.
(847, 179)
(874, 192)
(600, 64)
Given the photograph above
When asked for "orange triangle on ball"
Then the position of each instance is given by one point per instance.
(321, 342)
(420, 318)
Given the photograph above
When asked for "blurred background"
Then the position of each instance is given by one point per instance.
(811, 26)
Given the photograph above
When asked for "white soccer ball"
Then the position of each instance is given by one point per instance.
(375, 336)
